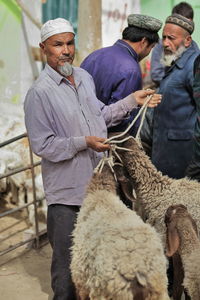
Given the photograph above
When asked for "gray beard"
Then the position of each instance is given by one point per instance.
(167, 59)
(66, 70)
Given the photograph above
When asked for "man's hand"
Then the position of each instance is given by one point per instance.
(140, 97)
(96, 143)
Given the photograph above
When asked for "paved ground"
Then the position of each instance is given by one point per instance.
(25, 274)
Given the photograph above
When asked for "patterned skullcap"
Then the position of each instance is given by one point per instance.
(181, 21)
(144, 22)
(55, 26)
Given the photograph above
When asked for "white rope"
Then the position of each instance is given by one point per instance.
(106, 160)
(109, 160)
(141, 111)
(137, 137)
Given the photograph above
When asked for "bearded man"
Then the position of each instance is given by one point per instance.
(67, 127)
(169, 128)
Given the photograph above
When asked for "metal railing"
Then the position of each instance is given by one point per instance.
(36, 237)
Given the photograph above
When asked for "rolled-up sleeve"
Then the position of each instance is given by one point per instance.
(114, 113)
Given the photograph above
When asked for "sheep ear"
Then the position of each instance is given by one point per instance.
(127, 190)
(124, 182)
(139, 287)
(194, 226)
(173, 240)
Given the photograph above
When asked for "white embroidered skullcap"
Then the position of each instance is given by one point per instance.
(55, 26)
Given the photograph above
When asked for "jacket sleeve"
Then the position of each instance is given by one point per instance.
(146, 133)
(193, 170)
(157, 69)
(115, 112)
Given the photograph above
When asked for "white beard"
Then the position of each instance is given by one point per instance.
(66, 70)
(167, 59)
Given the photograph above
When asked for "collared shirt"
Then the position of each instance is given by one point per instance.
(116, 73)
(58, 116)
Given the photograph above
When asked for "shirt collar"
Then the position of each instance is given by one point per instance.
(77, 77)
(58, 78)
(54, 74)
(181, 61)
(125, 45)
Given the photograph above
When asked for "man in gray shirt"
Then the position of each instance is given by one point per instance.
(67, 126)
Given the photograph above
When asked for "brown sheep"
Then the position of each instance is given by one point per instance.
(182, 240)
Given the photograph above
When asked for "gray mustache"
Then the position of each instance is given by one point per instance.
(64, 57)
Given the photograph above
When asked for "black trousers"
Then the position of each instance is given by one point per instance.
(60, 224)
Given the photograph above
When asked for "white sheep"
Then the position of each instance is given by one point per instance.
(115, 255)
(182, 239)
(17, 188)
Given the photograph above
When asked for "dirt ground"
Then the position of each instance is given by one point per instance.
(24, 271)
(25, 274)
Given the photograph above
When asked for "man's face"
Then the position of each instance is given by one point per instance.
(145, 50)
(59, 49)
(173, 37)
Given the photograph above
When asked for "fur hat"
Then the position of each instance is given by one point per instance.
(181, 21)
(144, 22)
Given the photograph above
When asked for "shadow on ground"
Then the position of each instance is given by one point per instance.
(25, 274)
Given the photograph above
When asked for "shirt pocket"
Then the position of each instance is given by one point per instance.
(60, 175)
(180, 134)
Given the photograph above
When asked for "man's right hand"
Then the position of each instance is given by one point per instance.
(96, 143)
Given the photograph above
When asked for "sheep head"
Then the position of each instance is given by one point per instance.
(103, 180)
(176, 215)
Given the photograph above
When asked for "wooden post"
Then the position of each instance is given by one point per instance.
(89, 28)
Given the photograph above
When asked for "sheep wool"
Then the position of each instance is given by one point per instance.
(115, 255)
(182, 239)
(192, 274)
(157, 192)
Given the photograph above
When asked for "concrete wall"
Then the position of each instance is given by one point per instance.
(101, 22)
(114, 16)
(16, 74)
(27, 72)
(9, 55)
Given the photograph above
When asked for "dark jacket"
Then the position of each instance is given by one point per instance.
(174, 119)
(193, 170)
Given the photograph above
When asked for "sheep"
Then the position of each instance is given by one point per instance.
(17, 188)
(115, 255)
(156, 192)
(182, 238)
(3, 183)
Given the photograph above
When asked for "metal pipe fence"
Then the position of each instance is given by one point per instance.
(36, 236)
